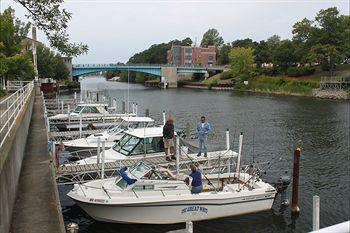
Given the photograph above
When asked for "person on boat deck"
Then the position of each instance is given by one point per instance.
(168, 138)
(203, 129)
(196, 180)
(125, 177)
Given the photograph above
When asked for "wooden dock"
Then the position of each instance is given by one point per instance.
(334, 83)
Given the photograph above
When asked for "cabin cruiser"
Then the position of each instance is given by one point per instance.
(158, 197)
(140, 143)
(110, 136)
(88, 112)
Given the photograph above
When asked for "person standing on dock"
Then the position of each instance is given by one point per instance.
(168, 138)
(203, 129)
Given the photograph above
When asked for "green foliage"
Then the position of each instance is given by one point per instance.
(300, 71)
(2, 93)
(242, 61)
(227, 75)
(19, 67)
(12, 32)
(279, 85)
(222, 54)
(283, 54)
(72, 84)
(212, 37)
(156, 54)
(50, 65)
(269, 71)
(51, 18)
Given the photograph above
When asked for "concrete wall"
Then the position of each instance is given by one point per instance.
(11, 156)
(170, 75)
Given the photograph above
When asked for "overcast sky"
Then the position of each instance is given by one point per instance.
(115, 30)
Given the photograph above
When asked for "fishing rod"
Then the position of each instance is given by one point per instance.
(194, 163)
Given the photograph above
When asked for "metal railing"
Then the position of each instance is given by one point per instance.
(16, 85)
(131, 65)
(11, 107)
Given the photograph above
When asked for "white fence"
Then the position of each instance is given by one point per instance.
(16, 85)
(11, 107)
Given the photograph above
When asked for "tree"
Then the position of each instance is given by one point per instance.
(61, 70)
(19, 67)
(263, 53)
(242, 61)
(212, 37)
(283, 55)
(186, 42)
(326, 55)
(222, 54)
(273, 41)
(48, 16)
(12, 32)
(244, 43)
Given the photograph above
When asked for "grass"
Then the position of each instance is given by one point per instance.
(279, 84)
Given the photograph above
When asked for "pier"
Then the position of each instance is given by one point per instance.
(29, 198)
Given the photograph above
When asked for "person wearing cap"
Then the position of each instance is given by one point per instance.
(168, 138)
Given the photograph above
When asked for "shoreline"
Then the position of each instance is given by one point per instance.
(330, 96)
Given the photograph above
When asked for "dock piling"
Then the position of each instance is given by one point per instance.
(147, 112)
(238, 168)
(227, 139)
(296, 165)
(177, 154)
(136, 109)
(103, 161)
(98, 149)
(316, 213)
(80, 125)
(164, 117)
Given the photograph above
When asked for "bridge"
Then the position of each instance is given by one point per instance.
(170, 73)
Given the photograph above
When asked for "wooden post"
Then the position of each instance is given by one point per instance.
(98, 149)
(296, 165)
(103, 161)
(80, 125)
(177, 155)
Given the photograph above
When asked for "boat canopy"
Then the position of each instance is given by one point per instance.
(137, 119)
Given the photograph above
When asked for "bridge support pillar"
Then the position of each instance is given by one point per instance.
(170, 76)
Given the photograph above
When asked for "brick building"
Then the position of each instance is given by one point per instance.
(187, 55)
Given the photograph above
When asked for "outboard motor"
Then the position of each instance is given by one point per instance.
(281, 186)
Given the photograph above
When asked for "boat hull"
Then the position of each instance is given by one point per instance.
(177, 212)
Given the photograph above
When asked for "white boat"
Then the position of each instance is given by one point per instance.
(159, 198)
(139, 143)
(88, 112)
(110, 136)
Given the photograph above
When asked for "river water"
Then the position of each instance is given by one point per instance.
(272, 126)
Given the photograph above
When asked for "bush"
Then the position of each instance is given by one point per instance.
(227, 75)
(73, 84)
(2, 93)
(269, 71)
(300, 71)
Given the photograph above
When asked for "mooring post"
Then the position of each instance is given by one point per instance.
(123, 106)
(114, 105)
(147, 112)
(164, 118)
(189, 227)
(98, 149)
(316, 213)
(227, 139)
(80, 125)
(133, 108)
(177, 155)
(136, 109)
(68, 112)
(238, 168)
(103, 161)
(75, 96)
(296, 165)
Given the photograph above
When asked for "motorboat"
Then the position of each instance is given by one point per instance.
(109, 136)
(141, 143)
(89, 112)
(159, 197)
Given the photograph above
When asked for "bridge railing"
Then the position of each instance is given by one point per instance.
(10, 109)
(148, 65)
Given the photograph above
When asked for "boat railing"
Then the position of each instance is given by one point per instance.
(11, 108)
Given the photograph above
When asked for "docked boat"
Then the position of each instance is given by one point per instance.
(89, 112)
(158, 197)
(110, 136)
(139, 143)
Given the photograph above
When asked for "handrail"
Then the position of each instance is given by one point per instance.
(10, 109)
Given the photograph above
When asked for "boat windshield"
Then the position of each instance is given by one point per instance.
(123, 126)
(126, 144)
(140, 169)
(78, 109)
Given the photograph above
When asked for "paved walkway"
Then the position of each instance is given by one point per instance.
(37, 207)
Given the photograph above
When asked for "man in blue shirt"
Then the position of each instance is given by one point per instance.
(196, 180)
(203, 129)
